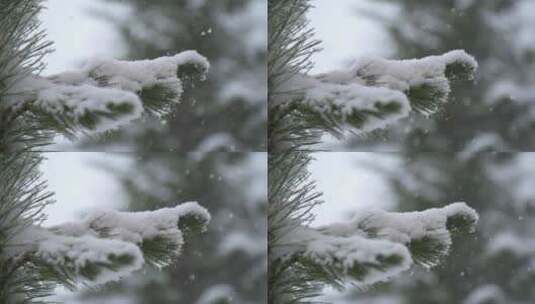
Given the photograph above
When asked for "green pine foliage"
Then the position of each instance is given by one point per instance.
(23, 47)
(23, 197)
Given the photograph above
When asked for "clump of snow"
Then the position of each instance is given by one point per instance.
(86, 251)
(401, 75)
(513, 243)
(137, 226)
(242, 242)
(352, 252)
(135, 76)
(481, 143)
(346, 100)
(217, 293)
(346, 253)
(90, 259)
(79, 101)
(407, 226)
(486, 294)
(108, 107)
(108, 240)
(430, 226)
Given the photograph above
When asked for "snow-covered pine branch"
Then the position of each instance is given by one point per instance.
(376, 245)
(107, 245)
(372, 94)
(373, 246)
(105, 93)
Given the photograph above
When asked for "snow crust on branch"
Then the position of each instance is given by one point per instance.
(135, 76)
(79, 253)
(377, 245)
(426, 233)
(407, 226)
(377, 90)
(80, 102)
(348, 254)
(107, 245)
(135, 227)
(107, 93)
(401, 75)
(349, 101)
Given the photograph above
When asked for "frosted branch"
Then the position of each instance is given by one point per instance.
(377, 245)
(375, 92)
(108, 245)
(107, 93)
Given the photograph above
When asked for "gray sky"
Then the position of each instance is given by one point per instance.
(349, 184)
(79, 186)
(346, 34)
(77, 35)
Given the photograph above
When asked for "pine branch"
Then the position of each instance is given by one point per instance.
(22, 48)
(373, 247)
(291, 197)
(105, 246)
(23, 196)
(369, 96)
(291, 44)
(106, 94)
